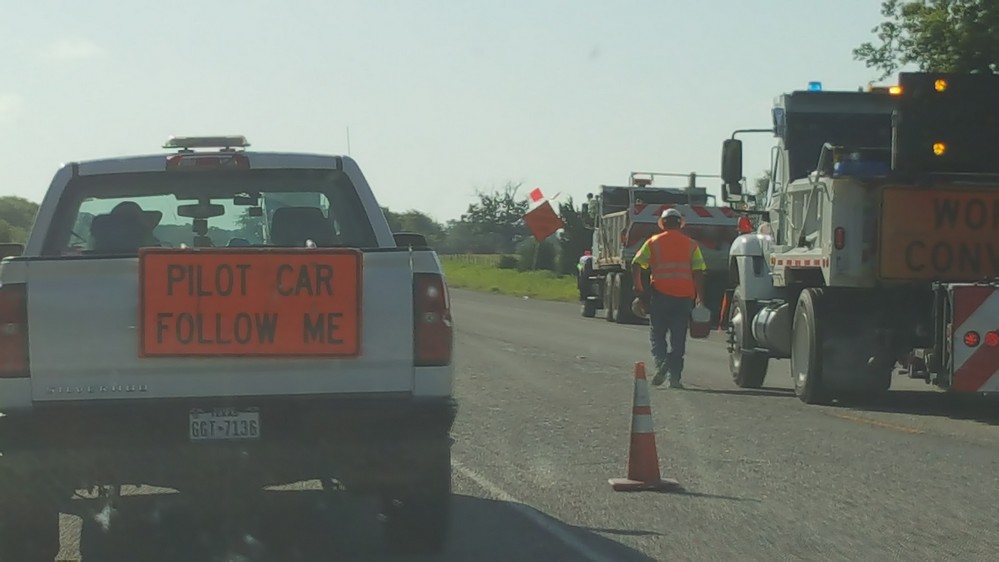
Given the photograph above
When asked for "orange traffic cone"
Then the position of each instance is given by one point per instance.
(643, 459)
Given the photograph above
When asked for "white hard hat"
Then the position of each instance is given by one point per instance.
(672, 212)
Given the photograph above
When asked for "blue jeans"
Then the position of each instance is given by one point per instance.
(669, 316)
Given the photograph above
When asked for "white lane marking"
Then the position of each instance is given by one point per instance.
(529, 513)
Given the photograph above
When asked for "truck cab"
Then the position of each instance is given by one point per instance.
(804, 123)
(879, 222)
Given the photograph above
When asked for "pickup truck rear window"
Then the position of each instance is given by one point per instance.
(116, 214)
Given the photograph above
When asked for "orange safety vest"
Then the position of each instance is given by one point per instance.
(672, 273)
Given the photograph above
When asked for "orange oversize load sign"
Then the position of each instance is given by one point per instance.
(947, 234)
(250, 302)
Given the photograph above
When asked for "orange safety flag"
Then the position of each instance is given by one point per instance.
(543, 222)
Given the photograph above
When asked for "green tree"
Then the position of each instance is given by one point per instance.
(762, 185)
(247, 226)
(936, 36)
(574, 239)
(547, 255)
(395, 225)
(418, 222)
(464, 238)
(17, 214)
(499, 213)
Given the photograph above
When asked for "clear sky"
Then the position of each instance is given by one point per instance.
(441, 97)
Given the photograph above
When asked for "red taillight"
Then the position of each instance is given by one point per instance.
(13, 332)
(992, 339)
(972, 339)
(745, 225)
(839, 238)
(433, 332)
(207, 162)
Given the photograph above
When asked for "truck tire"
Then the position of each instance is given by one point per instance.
(748, 367)
(806, 352)
(610, 293)
(417, 518)
(624, 297)
(833, 337)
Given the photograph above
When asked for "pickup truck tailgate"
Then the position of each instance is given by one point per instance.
(85, 323)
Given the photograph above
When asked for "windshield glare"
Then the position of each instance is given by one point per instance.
(808, 132)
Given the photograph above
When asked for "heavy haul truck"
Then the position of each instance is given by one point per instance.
(879, 246)
(627, 216)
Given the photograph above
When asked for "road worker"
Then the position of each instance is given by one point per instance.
(584, 270)
(677, 276)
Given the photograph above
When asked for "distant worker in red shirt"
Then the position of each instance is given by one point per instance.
(677, 275)
(584, 270)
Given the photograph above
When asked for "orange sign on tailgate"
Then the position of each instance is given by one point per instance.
(949, 234)
(227, 302)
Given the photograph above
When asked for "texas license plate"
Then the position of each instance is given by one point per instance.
(224, 424)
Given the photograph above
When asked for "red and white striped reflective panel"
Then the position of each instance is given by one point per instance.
(692, 214)
(791, 261)
(976, 362)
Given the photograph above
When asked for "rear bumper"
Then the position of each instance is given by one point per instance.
(365, 443)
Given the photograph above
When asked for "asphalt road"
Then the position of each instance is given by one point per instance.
(546, 398)
(544, 422)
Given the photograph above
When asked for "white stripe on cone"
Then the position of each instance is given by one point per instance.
(641, 423)
(641, 397)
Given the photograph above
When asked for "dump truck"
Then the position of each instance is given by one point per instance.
(879, 252)
(626, 216)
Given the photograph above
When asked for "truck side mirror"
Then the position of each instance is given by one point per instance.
(732, 167)
(11, 249)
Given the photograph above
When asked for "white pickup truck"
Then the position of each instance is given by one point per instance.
(217, 321)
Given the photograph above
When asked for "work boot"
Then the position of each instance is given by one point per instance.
(660, 376)
(674, 382)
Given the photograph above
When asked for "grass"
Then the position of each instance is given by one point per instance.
(490, 279)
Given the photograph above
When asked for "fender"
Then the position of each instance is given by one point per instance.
(748, 260)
